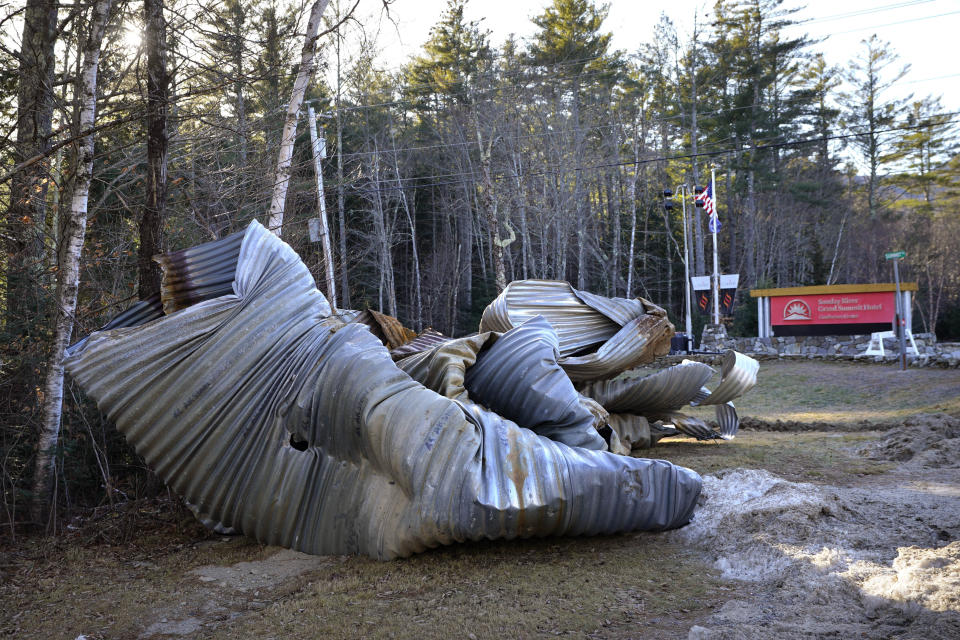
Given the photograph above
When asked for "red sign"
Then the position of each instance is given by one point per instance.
(836, 308)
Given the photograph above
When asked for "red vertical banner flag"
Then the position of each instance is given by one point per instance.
(728, 292)
(701, 288)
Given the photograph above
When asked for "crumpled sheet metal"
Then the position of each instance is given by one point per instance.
(632, 432)
(661, 394)
(198, 273)
(738, 374)
(689, 425)
(728, 422)
(211, 394)
(664, 390)
(139, 313)
(516, 375)
(598, 337)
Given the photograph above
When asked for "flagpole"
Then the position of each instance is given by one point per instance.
(686, 271)
(716, 269)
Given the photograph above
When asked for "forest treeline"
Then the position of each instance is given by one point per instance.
(446, 175)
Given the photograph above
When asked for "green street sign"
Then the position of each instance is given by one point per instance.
(893, 255)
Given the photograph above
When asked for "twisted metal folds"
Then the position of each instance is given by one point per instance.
(213, 393)
(598, 337)
(517, 376)
(660, 395)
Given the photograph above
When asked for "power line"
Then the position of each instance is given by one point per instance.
(688, 156)
(205, 141)
(896, 24)
(862, 12)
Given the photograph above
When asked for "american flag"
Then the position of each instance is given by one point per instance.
(706, 197)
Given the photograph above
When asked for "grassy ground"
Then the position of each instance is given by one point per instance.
(846, 393)
(152, 584)
(600, 587)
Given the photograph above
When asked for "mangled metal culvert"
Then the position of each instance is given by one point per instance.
(660, 396)
(598, 337)
(241, 357)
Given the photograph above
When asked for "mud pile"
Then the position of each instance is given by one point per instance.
(921, 441)
(874, 562)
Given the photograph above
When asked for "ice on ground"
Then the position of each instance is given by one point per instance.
(876, 561)
(744, 513)
(247, 576)
(929, 577)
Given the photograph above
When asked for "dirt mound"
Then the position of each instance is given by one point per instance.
(827, 561)
(925, 440)
(759, 424)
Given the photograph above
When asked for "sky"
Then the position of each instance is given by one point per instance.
(920, 31)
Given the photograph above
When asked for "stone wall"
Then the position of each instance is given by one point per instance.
(929, 351)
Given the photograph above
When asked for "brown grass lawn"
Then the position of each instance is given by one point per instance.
(143, 584)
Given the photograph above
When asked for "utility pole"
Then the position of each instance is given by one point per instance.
(688, 325)
(319, 146)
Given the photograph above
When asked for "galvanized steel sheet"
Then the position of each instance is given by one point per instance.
(738, 374)
(387, 328)
(211, 394)
(578, 326)
(664, 390)
(516, 375)
(690, 425)
(598, 337)
(198, 273)
(444, 367)
(676, 386)
(629, 432)
(728, 422)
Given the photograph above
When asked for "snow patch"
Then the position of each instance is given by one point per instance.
(743, 512)
(929, 577)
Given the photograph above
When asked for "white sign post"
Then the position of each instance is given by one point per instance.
(896, 256)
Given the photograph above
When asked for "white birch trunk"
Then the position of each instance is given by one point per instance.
(341, 216)
(68, 273)
(282, 176)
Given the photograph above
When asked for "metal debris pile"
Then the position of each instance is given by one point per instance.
(344, 432)
(594, 344)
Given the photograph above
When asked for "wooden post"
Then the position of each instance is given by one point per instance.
(319, 147)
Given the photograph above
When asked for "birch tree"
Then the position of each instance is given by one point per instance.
(282, 176)
(68, 272)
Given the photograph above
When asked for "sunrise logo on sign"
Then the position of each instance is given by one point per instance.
(797, 309)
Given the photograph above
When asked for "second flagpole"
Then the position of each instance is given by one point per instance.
(713, 228)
